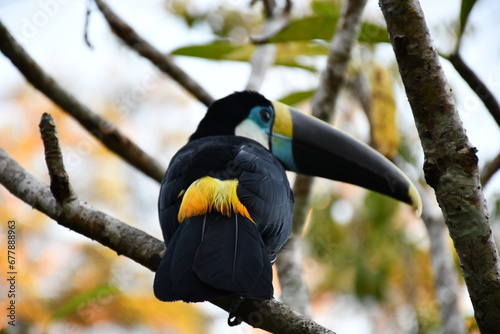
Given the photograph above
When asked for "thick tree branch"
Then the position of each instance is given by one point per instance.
(98, 126)
(273, 316)
(145, 49)
(450, 160)
(477, 86)
(80, 217)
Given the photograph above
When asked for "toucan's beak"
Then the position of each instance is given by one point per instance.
(309, 146)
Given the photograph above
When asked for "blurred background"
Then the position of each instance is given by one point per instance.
(366, 257)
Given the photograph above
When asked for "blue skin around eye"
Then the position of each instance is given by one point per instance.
(281, 146)
(257, 119)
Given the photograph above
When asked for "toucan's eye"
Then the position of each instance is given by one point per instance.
(265, 115)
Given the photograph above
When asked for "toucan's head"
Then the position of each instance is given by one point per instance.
(306, 145)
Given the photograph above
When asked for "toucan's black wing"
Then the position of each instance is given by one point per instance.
(265, 191)
(212, 259)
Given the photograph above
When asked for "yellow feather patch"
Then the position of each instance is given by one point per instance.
(208, 194)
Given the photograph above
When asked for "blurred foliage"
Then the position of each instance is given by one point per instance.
(372, 256)
(465, 9)
(286, 54)
(223, 19)
(321, 24)
(297, 97)
(384, 128)
(303, 37)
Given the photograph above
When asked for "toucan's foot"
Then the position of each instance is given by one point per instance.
(233, 319)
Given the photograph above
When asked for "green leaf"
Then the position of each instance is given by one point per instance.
(287, 53)
(85, 298)
(372, 33)
(464, 14)
(326, 7)
(308, 28)
(297, 97)
(217, 50)
(323, 27)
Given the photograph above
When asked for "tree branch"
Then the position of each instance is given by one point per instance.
(323, 105)
(59, 179)
(163, 62)
(332, 80)
(264, 55)
(274, 23)
(445, 278)
(477, 86)
(99, 127)
(81, 217)
(489, 170)
(450, 161)
(133, 243)
(273, 316)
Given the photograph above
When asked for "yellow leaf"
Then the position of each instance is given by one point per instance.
(385, 134)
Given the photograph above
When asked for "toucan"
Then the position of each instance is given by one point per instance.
(225, 203)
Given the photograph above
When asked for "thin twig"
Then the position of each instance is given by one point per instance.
(489, 170)
(59, 179)
(269, 6)
(137, 245)
(88, 11)
(145, 49)
(274, 24)
(98, 126)
(477, 85)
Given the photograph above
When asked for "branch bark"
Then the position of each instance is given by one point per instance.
(80, 217)
(145, 49)
(99, 127)
(59, 179)
(450, 161)
(323, 106)
(445, 278)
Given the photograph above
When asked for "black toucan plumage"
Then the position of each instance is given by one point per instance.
(225, 203)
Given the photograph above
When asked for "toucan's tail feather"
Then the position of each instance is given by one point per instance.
(242, 265)
(212, 256)
(175, 279)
